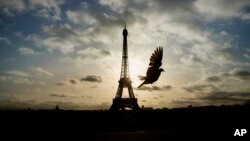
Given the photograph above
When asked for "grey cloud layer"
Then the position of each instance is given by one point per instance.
(236, 73)
(46, 8)
(230, 87)
(92, 78)
(156, 88)
(75, 81)
(235, 96)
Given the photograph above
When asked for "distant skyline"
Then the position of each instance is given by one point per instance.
(68, 52)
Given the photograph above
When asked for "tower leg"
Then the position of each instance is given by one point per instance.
(124, 103)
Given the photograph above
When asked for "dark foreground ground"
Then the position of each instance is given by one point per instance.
(185, 123)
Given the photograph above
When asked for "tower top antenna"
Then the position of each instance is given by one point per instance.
(125, 32)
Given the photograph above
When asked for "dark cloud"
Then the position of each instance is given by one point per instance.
(178, 11)
(196, 59)
(64, 31)
(61, 83)
(156, 98)
(86, 96)
(39, 8)
(94, 87)
(92, 16)
(67, 82)
(155, 88)
(104, 23)
(92, 78)
(200, 88)
(167, 87)
(237, 72)
(213, 79)
(223, 47)
(9, 8)
(224, 74)
(145, 88)
(225, 53)
(240, 73)
(94, 53)
(176, 6)
(58, 95)
(73, 81)
(70, 96)
(217, 96)
(105, 52)
(191, 59)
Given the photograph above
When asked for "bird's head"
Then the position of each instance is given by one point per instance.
(161, 70)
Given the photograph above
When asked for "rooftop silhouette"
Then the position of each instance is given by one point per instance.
(161, 124)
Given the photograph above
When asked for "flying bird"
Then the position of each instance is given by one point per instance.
(154, 70)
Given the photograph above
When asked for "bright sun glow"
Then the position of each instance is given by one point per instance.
(136, 68)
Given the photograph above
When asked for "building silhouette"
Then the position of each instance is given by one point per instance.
(120, 103)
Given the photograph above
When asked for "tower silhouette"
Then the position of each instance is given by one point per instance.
(120, 103)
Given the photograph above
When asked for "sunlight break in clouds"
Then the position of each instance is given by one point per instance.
(69, 52)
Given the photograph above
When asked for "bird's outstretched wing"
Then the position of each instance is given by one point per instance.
(153, 71)
(155, 59)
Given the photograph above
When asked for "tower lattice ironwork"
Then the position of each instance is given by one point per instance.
(120, 103)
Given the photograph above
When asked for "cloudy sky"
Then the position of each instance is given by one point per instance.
(68, 52)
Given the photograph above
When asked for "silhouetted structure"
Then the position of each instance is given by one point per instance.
(57, 108)
(120, 103)
(208, 122)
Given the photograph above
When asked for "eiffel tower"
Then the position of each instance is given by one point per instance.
(120, 103)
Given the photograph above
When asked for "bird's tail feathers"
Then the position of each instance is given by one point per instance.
(141, 85)
(141, 77)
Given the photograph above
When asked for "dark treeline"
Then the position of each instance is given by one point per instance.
(209, 121)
